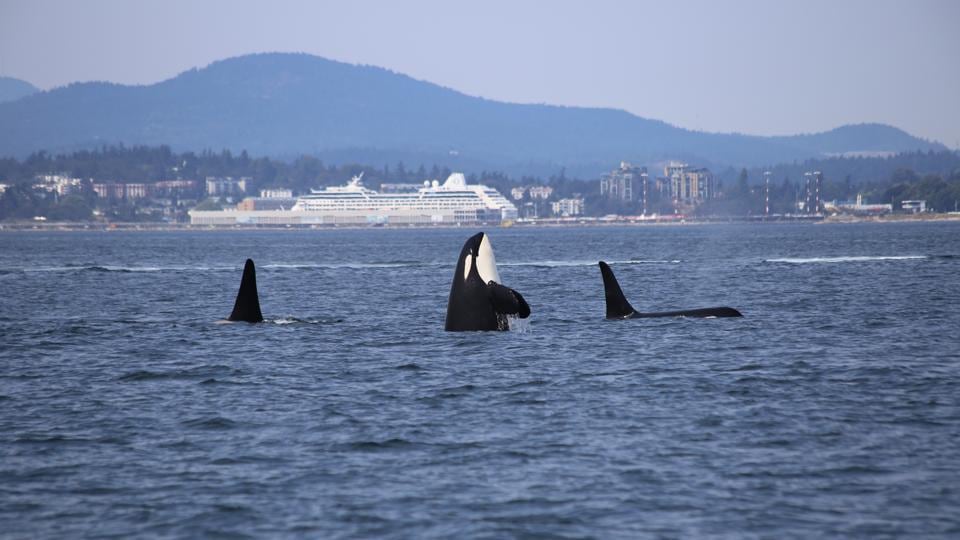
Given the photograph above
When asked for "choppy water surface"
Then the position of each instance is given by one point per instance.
(831, 409)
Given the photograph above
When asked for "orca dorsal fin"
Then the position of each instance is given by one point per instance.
(247, 306)
(617, 305)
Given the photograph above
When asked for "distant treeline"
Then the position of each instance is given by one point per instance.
(931, 176)
(857, 172)
(153, 163)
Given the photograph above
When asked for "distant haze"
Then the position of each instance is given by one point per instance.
(753, 67)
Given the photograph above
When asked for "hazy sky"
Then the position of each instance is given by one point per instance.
(758, 67)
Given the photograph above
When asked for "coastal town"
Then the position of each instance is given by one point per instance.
(672, 192)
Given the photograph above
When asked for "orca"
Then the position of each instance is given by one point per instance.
(247, 306)
(619, 308)
(477, 299)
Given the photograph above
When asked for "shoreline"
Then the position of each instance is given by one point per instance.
(30, 226)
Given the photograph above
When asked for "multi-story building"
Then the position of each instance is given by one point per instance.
(226, 186)
(813, 204)
(914, 206)
(137, 191)
(689, 186)
(276, 193)
(622, 184)
(57, 183)
(118, 191)
(540, 192)
(108, 190)
(568, 207)
(175, 187)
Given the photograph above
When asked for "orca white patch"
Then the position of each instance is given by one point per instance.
(486, 262)
(467, 265)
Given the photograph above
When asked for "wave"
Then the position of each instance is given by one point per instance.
(417, 264)
(177, 374)
(307, 266)
(348, 265)
(560, 264)
(378, 446)
(204, 268)
(852, 258)
(295, 320)
(224, 268)
(211, 423)
(121, 269)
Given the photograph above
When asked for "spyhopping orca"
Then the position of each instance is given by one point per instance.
(247, 306)
(619, 308)
(477, 300)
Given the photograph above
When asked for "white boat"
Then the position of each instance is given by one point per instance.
(452, 202)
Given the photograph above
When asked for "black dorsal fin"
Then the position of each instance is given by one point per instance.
(247, 306)
(617, 305)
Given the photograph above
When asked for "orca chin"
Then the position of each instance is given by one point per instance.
(247, 306)
(477, 300)
(619, 308)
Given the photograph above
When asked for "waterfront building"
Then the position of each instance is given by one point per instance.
(540, 192)
(226, 186)
(108, 190)
(57, 183)
(568, 207)
(621, 184)
(452, 202)
(689, 186)
(137, 191)
(276, 193)
(813, 204)
(914, 206)
(537, 193)
(118, 191)
(174, 187)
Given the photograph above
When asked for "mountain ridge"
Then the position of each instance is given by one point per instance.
(12, 89)
(293, 103)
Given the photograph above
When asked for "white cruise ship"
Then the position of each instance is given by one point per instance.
(452, 202)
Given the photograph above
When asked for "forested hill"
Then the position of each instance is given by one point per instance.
(13, 89)
(292, 104)
(858, 170)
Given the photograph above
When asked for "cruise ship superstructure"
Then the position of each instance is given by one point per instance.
(452, 202)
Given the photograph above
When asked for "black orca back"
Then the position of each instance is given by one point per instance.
(619, 308)
(617, 305)
(247, 306)
(701, 312)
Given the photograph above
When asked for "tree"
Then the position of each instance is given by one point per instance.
(743, 186)
(71, 208)
(209, 204)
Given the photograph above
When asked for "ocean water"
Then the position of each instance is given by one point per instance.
(832, 409)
